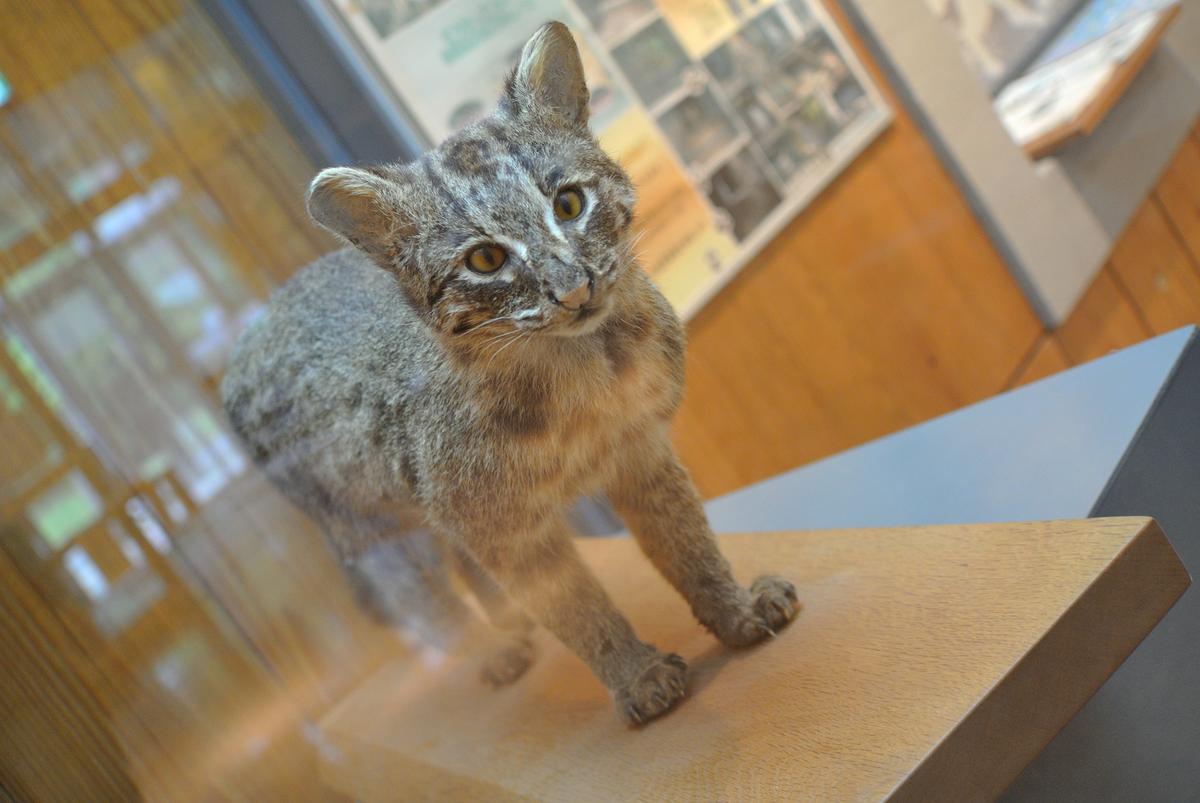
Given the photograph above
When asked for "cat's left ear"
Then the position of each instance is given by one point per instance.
(549, 76)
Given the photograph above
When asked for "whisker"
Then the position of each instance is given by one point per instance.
(496, 354)
(501, 336)
(631, 243)
(487, 323)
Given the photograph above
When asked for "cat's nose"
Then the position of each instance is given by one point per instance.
(576, 298)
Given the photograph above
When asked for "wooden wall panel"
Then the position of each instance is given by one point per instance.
(175, 69)
(200, 694)
(55, 740)
(1047, 358)
(1152, 282)
(883, 304)
(1179, 192)
(1104, 320)
(1156, 268)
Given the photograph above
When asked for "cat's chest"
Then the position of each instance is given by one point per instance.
(560, 429)
(588, 430)
(639, 386)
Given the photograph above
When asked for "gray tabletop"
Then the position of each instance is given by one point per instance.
(1118, 436)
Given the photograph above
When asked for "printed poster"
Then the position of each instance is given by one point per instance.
(729, 116)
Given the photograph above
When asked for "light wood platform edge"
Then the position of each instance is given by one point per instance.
(355, 776)
(1027, 708)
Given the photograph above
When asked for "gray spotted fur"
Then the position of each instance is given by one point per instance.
(388, 387)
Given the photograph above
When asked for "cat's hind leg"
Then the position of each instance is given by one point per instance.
(499, 608)
(404, 582)
(513, 651)
(541, 569)
(403, 579)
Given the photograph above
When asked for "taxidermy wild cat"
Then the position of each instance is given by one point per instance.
(486, 353)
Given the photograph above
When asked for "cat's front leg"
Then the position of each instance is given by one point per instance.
(655, 496)
(542, 571)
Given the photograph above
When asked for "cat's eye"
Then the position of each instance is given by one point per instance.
(568, 204)
(486, 258)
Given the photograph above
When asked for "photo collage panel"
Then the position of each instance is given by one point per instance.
(748, 112)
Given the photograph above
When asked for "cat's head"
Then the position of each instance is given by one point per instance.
(520, 220)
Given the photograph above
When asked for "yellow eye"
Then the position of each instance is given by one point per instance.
(486, 258)
(568, 204)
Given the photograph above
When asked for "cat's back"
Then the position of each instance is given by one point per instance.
(307, 362)
(332, 303)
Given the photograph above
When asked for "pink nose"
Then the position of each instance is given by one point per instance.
(577, 297)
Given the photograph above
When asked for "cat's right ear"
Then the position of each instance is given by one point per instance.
(549, 76)
(361, 206)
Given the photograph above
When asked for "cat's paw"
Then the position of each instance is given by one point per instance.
(771, 606)
(774, 601)
(508, 662)
(660, 685)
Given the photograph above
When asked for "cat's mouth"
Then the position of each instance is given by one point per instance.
(588, 312)
(566, 322)
(589, 317)
(582, 321)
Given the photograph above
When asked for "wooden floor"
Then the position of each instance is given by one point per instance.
(1151, 283)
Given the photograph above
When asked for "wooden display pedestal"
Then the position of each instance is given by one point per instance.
(928, 663)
